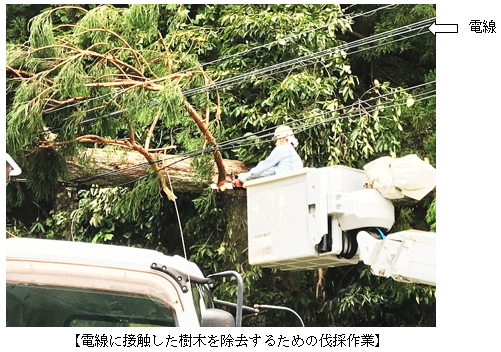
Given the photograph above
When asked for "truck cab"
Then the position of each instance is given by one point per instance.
(63, 283)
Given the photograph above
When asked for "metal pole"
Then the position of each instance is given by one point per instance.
(240, 293)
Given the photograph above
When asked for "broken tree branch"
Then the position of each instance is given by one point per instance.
(208, 136)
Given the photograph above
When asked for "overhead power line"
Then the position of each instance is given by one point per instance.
(281, 40)
(398, 34)
(269, 132)
(263, 137)
(418, 27)
(370, 12)
(244, 52)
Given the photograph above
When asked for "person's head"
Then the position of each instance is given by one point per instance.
(281, 134)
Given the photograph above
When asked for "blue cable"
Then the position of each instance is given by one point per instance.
(381, 233)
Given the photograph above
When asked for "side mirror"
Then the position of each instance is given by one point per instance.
(215, 317)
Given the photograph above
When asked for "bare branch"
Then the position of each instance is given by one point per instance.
(150, 131)
(208, 136)
(167, 56)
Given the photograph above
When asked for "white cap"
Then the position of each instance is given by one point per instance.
(282, 132)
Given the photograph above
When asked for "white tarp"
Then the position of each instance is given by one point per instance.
(396, 178)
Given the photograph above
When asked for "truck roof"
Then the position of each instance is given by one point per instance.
(106, 255)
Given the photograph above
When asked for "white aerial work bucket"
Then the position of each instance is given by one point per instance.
(291, 216)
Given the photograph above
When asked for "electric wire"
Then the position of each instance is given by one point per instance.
(268, 132)
(79, 102)
(371, 12)
(261, 139)
(263, 134)
(302, 128)
(267, 45)
(286, 65)
(354, 114)
(181, 157)
(302, 61)
(418, 26)
(228, 83)
(230, 144)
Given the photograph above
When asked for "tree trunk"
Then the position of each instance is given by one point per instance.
(108, 168)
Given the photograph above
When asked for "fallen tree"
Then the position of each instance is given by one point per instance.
(109, 168)
(93, 82)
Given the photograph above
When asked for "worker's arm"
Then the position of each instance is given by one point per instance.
(264, 167)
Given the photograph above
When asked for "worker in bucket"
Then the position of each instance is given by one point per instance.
(282, 159)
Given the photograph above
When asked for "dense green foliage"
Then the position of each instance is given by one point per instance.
(346, 108)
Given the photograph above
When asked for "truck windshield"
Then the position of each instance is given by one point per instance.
(36, 305)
